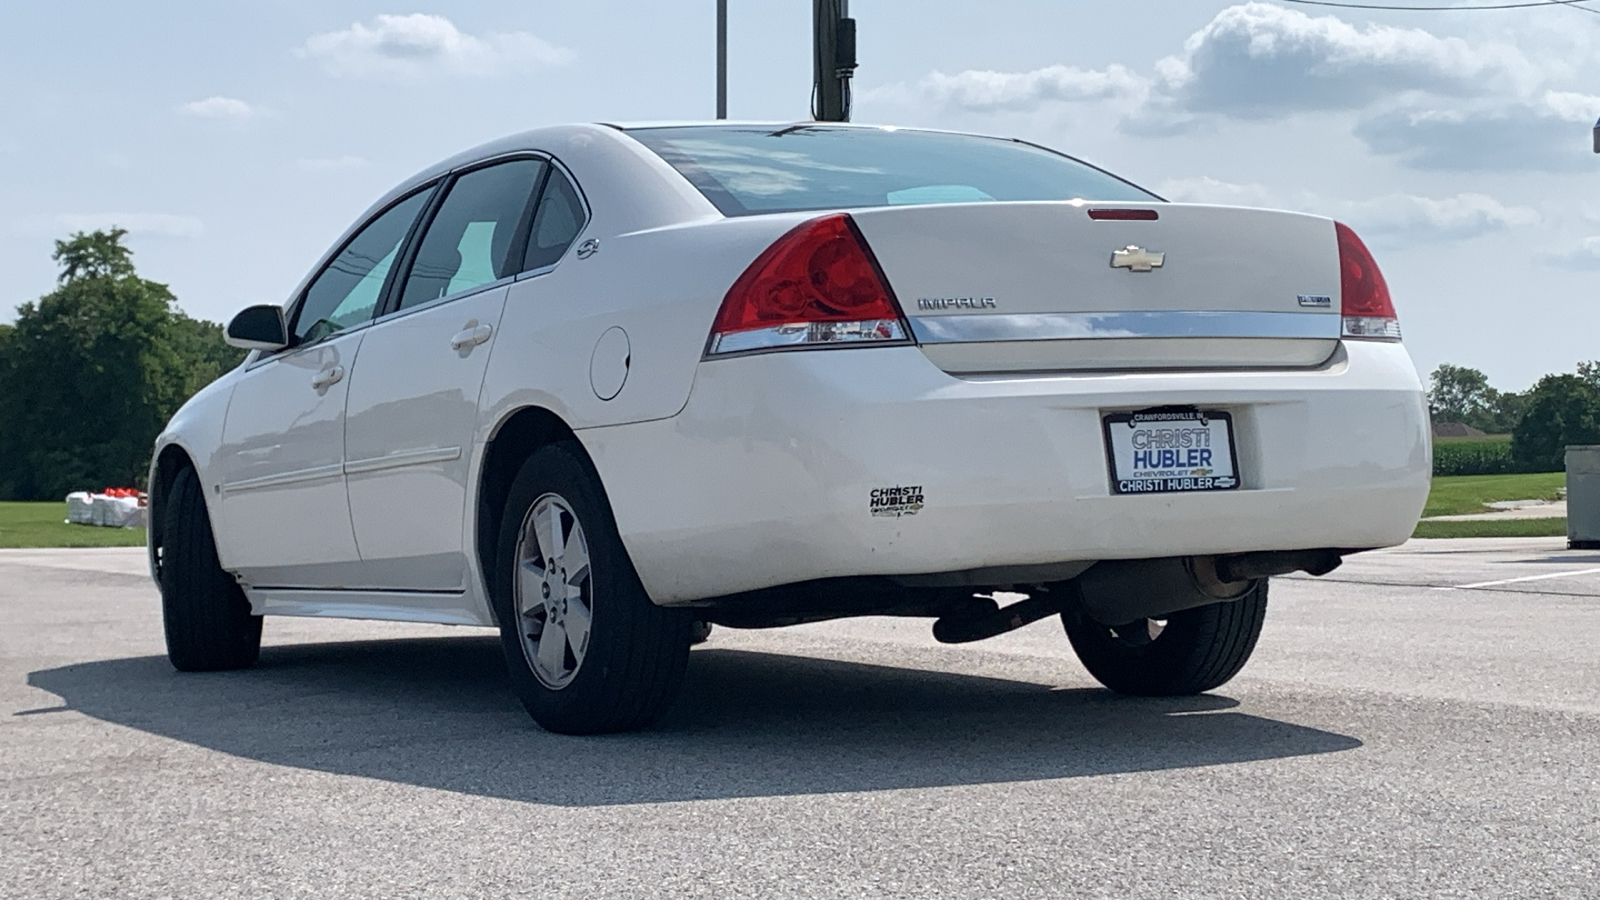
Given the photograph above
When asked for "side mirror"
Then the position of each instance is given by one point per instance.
(258, 328)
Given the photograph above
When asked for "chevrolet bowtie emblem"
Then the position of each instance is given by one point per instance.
(1135, 258)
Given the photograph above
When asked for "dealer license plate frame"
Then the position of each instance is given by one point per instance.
(1121, 471)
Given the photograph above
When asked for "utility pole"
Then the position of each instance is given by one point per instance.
(1597, 137)
(722, 59)
(833, 59)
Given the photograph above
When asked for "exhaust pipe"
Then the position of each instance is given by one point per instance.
(1118, 591)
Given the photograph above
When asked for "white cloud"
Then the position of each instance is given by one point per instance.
(1429, 101)
(330, 164)
(1432, 102)
(164, 224)
(227, 108)
(1258, 60)
(1570, 106)
(1211, 190)
(1462, 216)
(1585, 257)
(416, 45)
(1393, 216)
(1549, 131)
(987, 91)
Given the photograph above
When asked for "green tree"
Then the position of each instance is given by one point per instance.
(7, 432)
(1561, 410)
(1505, 413)
(206, 356)
(1590, 371)
(90, 373)
(98, 254)
(1457, 393)
(1461, 394)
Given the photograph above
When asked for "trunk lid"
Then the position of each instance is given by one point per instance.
(1020, 287)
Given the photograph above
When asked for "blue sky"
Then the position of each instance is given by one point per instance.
(236, 141)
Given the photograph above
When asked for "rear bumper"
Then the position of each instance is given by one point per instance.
(767, 475)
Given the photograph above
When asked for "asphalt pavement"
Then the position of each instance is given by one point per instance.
(1423, 722)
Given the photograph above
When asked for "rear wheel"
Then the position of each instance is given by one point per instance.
(1188, 652)
(587, 651)
(206, 616)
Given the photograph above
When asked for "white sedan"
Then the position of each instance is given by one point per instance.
(602, 386)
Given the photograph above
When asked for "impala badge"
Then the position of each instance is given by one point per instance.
(1135, 258)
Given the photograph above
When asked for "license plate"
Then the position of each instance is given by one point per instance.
(1171, 450)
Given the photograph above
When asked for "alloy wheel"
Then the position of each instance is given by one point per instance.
(554, 588)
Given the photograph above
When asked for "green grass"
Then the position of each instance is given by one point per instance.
(1493, 528)
(1477, 439)
(45, 525)
(1456, 495)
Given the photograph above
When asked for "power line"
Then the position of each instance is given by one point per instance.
(1569, 4)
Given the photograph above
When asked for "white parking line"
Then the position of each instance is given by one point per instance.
(1484, 584)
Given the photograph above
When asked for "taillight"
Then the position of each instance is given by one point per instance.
(817, 286)
(1367, 308)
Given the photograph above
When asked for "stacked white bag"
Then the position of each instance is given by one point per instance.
(84, 508)
(80, 508)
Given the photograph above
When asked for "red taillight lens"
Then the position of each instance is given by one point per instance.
(1366, 306)
(818, 285)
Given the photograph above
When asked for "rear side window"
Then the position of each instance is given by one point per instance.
(745, 170)
(556, 223)
(347, 291)
(472, 239)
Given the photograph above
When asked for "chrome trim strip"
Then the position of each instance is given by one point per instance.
(962, 329)
(401, 459)
(316, 473)
(441, 608)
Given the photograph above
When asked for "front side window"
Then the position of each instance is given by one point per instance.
(746, 170)
(559, 219)
(347, 291)
(470, 241)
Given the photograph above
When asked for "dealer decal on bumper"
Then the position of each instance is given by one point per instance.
(894, 502)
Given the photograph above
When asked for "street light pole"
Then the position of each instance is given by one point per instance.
(833, 59)
(722, 59)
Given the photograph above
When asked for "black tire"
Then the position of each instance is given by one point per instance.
(1196, 651)
(634, 653)
(206, 616)
(699, 633)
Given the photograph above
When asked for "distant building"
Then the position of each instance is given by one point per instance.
(1455, 429)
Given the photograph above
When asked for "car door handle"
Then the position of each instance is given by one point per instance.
(471, 335)
(328, 377)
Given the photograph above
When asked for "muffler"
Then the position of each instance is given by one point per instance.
(1117, 591)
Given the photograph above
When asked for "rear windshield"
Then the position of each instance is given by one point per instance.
(747, 170)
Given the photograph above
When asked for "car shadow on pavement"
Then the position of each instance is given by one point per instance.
(438, 713)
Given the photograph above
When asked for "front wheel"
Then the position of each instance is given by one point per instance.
(1188, 652)
(587, 651)
(207, 619)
